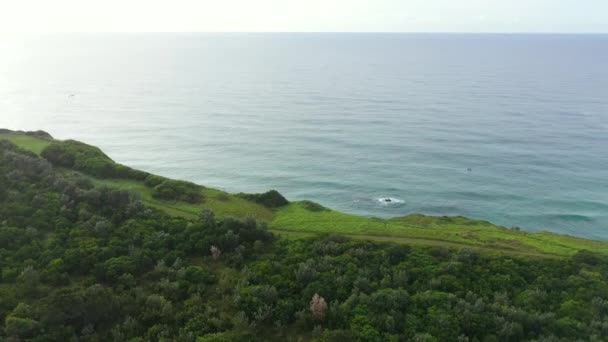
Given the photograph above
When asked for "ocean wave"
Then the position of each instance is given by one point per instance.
(389, 200)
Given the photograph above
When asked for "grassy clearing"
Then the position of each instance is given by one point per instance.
(304, 219)
(287, 234)
(222, 203)
(432, 230)
(27, 142)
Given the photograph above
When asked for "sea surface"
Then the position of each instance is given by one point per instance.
(508, 128)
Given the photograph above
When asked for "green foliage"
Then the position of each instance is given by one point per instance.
(221, 203)
(20, 327)
(154, 180)
(299, 219)
(31, 141)
(312, 206)
(175, 190)
(296, 218)
(87, 159)
(94, 263)
(270, 199)
(230, 336)
(82, 261)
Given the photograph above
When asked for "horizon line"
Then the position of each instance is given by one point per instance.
(308, 32)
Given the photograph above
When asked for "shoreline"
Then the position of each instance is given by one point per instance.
(311, 218)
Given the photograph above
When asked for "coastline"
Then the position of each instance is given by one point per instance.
(305, 218)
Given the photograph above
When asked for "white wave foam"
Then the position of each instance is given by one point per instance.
(390, 200)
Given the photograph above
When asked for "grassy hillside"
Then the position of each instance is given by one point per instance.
(29, 142)
(305, 218)
(222, 203)
(85, 256)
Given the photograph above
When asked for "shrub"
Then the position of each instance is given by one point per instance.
(175, 190)
(587, 257)
(121, 171)
(20, 327)
(226, 336)
(154, 180)
(270, 199)
(59, 154)
(88, 159)
(39, 134)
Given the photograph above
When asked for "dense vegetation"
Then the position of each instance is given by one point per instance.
(175, 190)
(270, 199)
(92, 161)
(82, 261)
(88, 159)
(305, 218)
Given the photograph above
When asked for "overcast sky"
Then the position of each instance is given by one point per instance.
(27, 16)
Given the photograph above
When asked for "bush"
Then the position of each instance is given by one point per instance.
(88, 159)
(20, 327)
(154, 180)
(59, 155)
(587, 257)
(39, 134)
(122, 171)
(270, 199)
(227, 336)
(175, 190)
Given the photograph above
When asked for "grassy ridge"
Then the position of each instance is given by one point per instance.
(28, 142)
(449, 231)
(222, 203)
(304, 218)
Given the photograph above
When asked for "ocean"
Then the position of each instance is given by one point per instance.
(507, 128)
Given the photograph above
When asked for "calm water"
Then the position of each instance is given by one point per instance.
(508, 128)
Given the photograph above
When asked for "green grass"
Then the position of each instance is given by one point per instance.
(432, 230)
(303, 219)
(222, 203)
(27, 142)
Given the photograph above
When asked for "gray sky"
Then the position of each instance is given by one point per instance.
(27, 16)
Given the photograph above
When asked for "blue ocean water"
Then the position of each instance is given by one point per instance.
(508, 128)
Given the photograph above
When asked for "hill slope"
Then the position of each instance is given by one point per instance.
(297, 218)
(95, 251)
